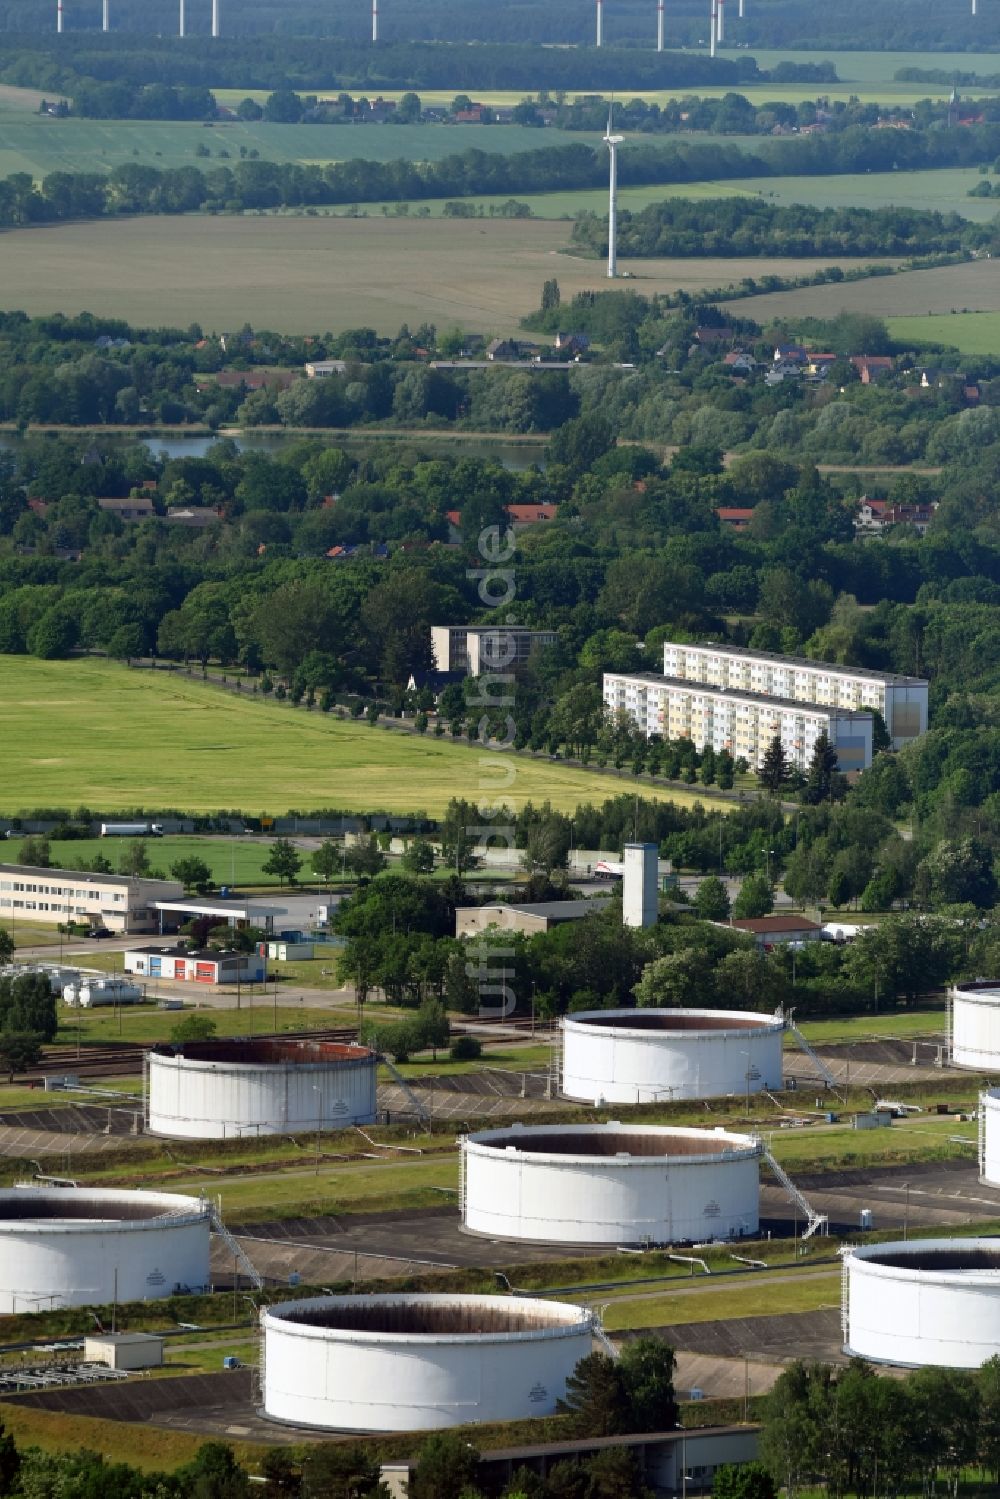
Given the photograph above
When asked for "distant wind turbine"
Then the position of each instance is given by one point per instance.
(215, 18)
(180, 18)
(105, 18)
(612, 142)
(599, 41)
(659, 25)
(59, 15)
(713, 26)
(720, 30)
(374, 20)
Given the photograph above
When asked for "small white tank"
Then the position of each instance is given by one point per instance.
(975, 1025)
(418, 1363)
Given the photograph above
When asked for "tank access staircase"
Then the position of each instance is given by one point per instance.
(238, 1253)
(419, 1108)
(822, 1070)
(815, 1222)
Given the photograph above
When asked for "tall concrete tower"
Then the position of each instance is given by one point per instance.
(640, 894)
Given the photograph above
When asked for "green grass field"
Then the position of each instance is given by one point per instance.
(233, 861)
(970, 332)
(96, 733)
(759, 1295)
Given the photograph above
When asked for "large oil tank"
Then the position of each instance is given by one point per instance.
(653, 1056)
(610, 1184)
(222, 1090)
(84, 1246)
(923, 1301)
(975, 1025)
(418, 1363)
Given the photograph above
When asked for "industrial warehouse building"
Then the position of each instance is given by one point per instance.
(744, 723)
(118, 901)
(473, 650)
(209, 966)
(469, 920)
(902, 701)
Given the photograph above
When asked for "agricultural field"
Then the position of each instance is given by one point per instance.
(945, 190)
(971, 287)
(969, 332)
(39, 144)
(300, 274)
(95, 732)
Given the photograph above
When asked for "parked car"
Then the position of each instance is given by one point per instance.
(99, 931)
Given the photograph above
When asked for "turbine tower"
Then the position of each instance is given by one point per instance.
(180, 18)
(612, 142)
(215, 18)
(599, 42)
(713, 26)
(659, 25)
(720, 10)
(742, 10)
(105, 18)
(59, 16)
(374, 20)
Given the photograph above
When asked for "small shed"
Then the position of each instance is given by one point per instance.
(124, 1350)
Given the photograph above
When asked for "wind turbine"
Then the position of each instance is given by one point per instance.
(599, 38)
(659, 25)
(215, 18)
(180, 18)
(612, 142)
(59, 15)
(374, 21)
(105, 18)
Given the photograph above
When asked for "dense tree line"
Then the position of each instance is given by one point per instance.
(250, 184)
(860, 1433)
(788, 24)
(738, 226)
(321, 62)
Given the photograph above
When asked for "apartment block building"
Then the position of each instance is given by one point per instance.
(744, 723)
(902, 701)
(475, 649)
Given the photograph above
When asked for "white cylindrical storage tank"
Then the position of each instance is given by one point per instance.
(418, 1363)
(610, 1184)
(221, 1090)
(93, 992)
(82, 1246)
(975, 1025)
(923, 1301)
(989, 1137)
(650, 1056)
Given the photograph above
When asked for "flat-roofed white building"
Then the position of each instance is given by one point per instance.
(120, 902)
(744, 723)
(902, 701)
(475, 649)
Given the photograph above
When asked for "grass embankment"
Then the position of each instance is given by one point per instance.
(161, 739)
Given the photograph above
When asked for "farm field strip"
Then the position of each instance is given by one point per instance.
(298, 274)
(970, 287)
(159, 739)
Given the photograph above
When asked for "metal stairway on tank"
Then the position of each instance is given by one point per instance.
(815, 1222)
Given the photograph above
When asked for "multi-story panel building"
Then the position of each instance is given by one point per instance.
(475, 649)
(744, 723)
(902, 701)
(119, 902)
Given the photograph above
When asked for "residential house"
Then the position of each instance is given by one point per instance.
(737, 517)
(740, 363)
(196, 517)
(134, 508)
(712, 337)
(872, 367)
(571, 344)
(876, 516)
(319, 369)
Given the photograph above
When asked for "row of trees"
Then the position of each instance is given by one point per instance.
(856, 1432)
